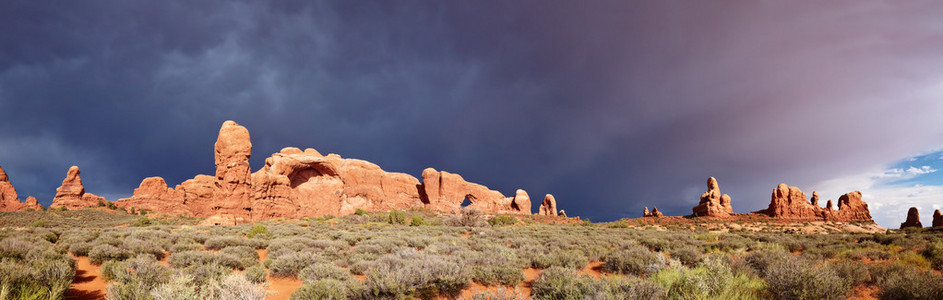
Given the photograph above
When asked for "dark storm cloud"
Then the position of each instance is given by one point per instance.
(610, 106)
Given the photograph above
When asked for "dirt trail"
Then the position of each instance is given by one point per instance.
(88, 283)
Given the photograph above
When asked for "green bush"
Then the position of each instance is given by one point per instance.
(934, 254)
(360, 212)
(418, 221)
(898, 281)
(502, 221)
(712, 279)
(257, 230)
(398, 217)
(324, 270)
(141, 222)
(135, 278)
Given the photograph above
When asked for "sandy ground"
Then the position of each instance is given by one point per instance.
(88, 283)
(865, 292)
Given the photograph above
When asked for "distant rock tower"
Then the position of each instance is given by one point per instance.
(548, 207)
(913, 219)
(713, 203)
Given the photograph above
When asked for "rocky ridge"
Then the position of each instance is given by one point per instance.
(295, 183)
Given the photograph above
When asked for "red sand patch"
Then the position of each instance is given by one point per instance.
(88, 283)
(279, 288)
(865, 292)
(594, 269)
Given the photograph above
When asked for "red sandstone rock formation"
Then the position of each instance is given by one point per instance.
(789, 202)
(8, 198)
(654, 213)
(815, 198)
(913, 219)
(549, 206)
(295, 183)
(562, 213)
(713, 203)
(72, 195)
(937, 219)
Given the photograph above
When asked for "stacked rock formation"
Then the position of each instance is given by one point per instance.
(295, 183)
(548, 207)
(713, 203)
(789, 202)
(654, 213)
(937, 219)
(913, 219)
(72, 195)
(9, 201)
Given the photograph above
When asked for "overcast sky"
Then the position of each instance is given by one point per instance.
(609, 105)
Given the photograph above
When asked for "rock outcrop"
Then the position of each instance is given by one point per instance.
(548, 207)
(562, 213)
(295, 183)
(789, 202)
(713, 203)
(913, 219)
(72, 195)
(937, 219)
(654, 213)
(9, 201)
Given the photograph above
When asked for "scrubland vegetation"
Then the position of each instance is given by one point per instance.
(410, 255)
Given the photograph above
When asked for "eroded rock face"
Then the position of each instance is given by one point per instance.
(549, 206)
(72, 195)
(233, 175)
(9, 201)
(295, 183)
(913, 219)
(713, 203)
(789, 202)
(937, 218)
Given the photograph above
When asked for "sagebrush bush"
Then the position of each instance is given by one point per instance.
(256, 274)
(257, 230)
(562, 283)
(797, 278)
(634, 261)
(934, 254)
(105, 252)
(289, 265)
(135, 278)
(899, 281)
(324, 270)
(502, 221)
(398, 217)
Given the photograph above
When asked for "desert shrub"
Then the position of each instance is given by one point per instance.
(257, 230)
(711, 279)
(135, 278)
(852, 272)
(81, 248)
(688, 256)
(141, 222)
(500, 274)
(562, 283)
(329, 289)
(409, 273)
(418, 221)
(204, 275)
(760, 260)
(322, 270)
(145, 247)
(903, 282)
(15, 248)
(43, 278)
(218, 243)
(622, 288)
(635, 261)
(501, 293)
(238, 257)
(934, 254)
(398, 217)
(256, 274)
(185, 245)
(289, 265)
(502, 221)
(236, 286)
(573, 259)
(360, 212)
(797, 278)
(179, 287)
(38, 223)
(105, 252)
(913, 259)
(189, 258)
(469, 217)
